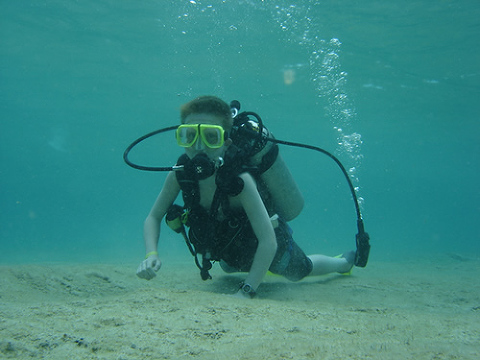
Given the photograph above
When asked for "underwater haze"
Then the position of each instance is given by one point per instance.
(391, 88)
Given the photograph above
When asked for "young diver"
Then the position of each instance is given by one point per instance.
(229, 209)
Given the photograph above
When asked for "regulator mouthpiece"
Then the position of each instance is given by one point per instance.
(202, 167)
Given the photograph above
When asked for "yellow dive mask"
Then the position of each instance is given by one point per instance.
(213, 136)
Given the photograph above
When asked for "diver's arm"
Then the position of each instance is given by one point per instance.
(263, 229)
(151, 227)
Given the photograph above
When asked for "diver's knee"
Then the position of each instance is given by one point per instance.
(227, 268)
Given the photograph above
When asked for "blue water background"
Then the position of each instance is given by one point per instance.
(80, 80)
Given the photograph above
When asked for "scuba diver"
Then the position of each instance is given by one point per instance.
(238, 196)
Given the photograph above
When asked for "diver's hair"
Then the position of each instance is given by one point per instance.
(208, 105)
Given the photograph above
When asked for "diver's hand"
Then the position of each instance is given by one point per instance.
(148, 267)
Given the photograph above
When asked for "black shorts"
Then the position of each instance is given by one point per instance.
(290, 261)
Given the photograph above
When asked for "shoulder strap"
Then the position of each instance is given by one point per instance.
(227, 179)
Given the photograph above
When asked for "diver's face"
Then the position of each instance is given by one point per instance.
(199, 146)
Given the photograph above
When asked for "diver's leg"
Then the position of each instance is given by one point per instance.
(325, 264)
(227, 268)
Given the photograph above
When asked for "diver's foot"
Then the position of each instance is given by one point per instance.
(349, 256)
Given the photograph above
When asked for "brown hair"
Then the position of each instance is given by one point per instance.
(208, 105)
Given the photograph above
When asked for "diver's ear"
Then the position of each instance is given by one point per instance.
(228, 142)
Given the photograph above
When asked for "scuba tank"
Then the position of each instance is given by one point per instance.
(251, 136)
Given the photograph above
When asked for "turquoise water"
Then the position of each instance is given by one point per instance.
(392, 88)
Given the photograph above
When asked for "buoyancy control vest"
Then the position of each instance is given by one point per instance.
(208, 235)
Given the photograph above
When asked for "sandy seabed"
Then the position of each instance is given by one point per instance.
(425, 309)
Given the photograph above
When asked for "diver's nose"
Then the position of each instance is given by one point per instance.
(199, 145)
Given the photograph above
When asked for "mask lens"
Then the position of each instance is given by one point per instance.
(187, 135)
(212, 135)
